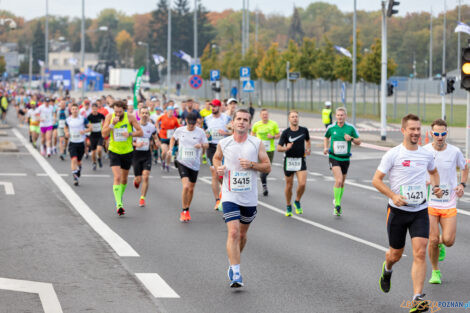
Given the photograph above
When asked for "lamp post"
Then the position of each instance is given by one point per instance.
(147, 68)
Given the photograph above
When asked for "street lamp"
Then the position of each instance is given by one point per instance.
(141, 43)
(11, 22)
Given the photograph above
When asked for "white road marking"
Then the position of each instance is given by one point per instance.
(316, 174)
(9, 190)
(45, 174)
(14, 174)
(171, 177)
(277, 164)
(119, 245)
(311, 179)
(156, 285)
(50, 302)
(96, 175)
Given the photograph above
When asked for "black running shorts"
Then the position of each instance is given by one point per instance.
(122, 160)
(77, 150)
(141, 161)
(399, 221)
(186, 172)
(344, 165)
(95, 141)
(210, 152)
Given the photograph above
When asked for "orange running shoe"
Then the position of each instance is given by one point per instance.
(141, 202)
(217, 203)
(182, 216)
(188, 216)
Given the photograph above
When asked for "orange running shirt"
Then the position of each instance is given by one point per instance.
(167, 123)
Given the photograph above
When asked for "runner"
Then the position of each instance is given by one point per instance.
(75, 129)
(243, 155)
(443, 211)
(295, 142)
(337, 143)
(142, 158)
(33, 123)
(191, 140)
(96, 140)
(63, 113)
(166, 125)
(217, 129)
(46, 119)
(326, 115)
(119, 127)
(406, 166)
(267, 130)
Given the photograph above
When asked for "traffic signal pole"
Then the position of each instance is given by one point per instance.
(467, 137)
(383, 91)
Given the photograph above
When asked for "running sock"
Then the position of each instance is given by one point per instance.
(337, 192)
(142, 197)
(117, 195)
(235, 268)
(342, 190)
(123, 188)
(187, 209)
(297, 203)
(289, 207)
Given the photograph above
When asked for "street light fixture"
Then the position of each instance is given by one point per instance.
(11, 22)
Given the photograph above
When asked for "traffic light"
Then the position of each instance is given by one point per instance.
(465, 69)
(215, 86)
(389, 90)
(390, 10)
(450, 85)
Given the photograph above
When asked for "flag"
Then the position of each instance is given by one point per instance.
(343, 51)
(158, 59)
(138, 81)
(184, 56)
(462, 27)
(72, 61)
(41, 63)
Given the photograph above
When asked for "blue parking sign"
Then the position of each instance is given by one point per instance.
(245, 73)
(215, 75)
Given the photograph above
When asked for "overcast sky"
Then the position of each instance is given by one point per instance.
(34, 8)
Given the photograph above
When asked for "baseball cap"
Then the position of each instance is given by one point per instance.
(158, 109)
(153, 99)
(191, 118)
(169, 108)
(328, 103)
(232, 100)
(216, 103)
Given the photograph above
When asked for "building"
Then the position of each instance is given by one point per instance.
(9, 51)
(66, 60)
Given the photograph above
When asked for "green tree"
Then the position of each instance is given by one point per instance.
(295, 29)
(270, 68)
(325, 64)
(306, 63)
(3, 64)
(209, 60)
(39, 52)
(125, 47)
(291, 55)
(158, 26)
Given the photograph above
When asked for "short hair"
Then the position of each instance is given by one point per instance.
(409, 117)
(120, 104)
(439, 122)
(342, 109)
(189, 100)
(241, 110)
(293, 111)
(263, 110)
(142, 108)
(74, 105)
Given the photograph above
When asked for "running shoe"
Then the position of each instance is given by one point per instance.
(236, 281)
(419, 304)
(337, 210)
(121, 211)
(442, 252)
(62, 157)
(94, 166)
(204, 159)
(136, 184)
(435, 277)
(385, 280)
(289, 211)
(298, 208)
(167, 168)
(217, 203)
(187, 216)
(182, 216)
(163, 165)
(75, 179)
(265, 190)
(142, 202)
(100, 164)
(230, 273)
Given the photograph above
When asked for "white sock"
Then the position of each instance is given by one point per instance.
(416, 295)
(387, 270)
(48, 150)
(235, 268)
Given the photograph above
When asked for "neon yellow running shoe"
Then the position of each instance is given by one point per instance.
(289, 211)
(435, 277)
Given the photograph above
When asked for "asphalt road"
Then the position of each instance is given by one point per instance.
(315, 262)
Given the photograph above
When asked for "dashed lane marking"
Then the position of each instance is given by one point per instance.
(156, 285)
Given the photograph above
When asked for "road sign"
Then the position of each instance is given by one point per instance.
(294, 75)
(245, 73)
(343, 93)
(196, 69)
(248, 86)
(195, 81)
(394, 83)
(215, 75)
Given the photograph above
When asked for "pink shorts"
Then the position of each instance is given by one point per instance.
(46, 129)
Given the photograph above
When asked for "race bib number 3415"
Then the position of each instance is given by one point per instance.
(239, 181)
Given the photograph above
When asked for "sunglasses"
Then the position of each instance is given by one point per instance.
(442, 134)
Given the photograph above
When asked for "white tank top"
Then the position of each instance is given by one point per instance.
(240, 186)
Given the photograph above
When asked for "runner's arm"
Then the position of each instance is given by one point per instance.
(138, 132)
(356, 141)
(308, 147)
(435, 181)
(172, 144)
(378, 183)
(264, 164)
(217, 158)
(106, 130)
(464, 174)
(326, 145)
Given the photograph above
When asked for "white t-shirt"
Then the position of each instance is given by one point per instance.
(76, 125)
(188, 155)
(46, 115)
(149, 130)
(407, 171)
(109, 109)
(85, 112)
(240, 185)
(214, 124)
(446, 162)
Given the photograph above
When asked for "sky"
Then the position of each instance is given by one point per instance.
(34, 8)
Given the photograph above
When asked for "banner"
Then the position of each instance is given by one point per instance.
(41, 63)
(138, 81)
(158, 59)
(463, 28)
(343, 51)
(184, 56)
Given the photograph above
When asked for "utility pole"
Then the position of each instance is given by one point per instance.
(458, 41)
(30, 70)
(243, 28)
(256, 27)
(195, 32)
(430, 47)
(82, 48)
(168, 53)
(383, 86)
(46, 38)
(247, 25)
(354, 65)
(443, 107)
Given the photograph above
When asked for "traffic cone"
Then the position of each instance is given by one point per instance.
(426, 140)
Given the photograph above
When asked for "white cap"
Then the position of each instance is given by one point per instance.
(328, 103)
(231, 100)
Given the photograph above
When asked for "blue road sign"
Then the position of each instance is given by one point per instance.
(215, 75)
(394, 83)
(196, 69)
(248, 86)
(195, 81)
(245, 73)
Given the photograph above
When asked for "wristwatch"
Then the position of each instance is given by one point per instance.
(464, 185)
(251, 164)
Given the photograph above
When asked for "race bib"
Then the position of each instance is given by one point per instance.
(239, 181)
(293, 164)
(216, 135)
(445, 194)
(61, 123)
(414, 194)
(188, 153)
(75, 135)
(267, 144)
(118, 134)
(169, 133)
(340, 147)
(145, 141)
(95, 127)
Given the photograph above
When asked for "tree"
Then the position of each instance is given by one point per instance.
(325, 64)
(270, 67)
(125, 47)
(209, 60)
(39, 52)
(3, 64)
(291, 55)
(295, 29)
(158, 25)
(306, 63)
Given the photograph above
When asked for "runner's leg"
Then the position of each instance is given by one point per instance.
(418, 269)
(301, 183)
(434, 238)
(145, 183)
(288, 189)
(449, 229)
